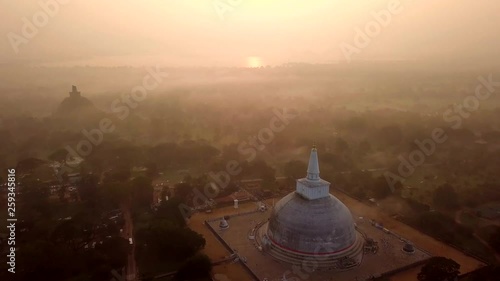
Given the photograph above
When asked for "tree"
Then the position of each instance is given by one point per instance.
(119, 174)
(364, 147)
(29, 165)
(170, 210)
(390, 135)
(295, 169)
(152, 171)
(60, 263)
(183, 191)
(341, 146)
(142, 191)
(75, 233)
(112, 194)
(439, 269)
(35, 199)
(197, 267)
(339, 163)
(258, 169)
(59, 155)
(113, 252)
(169, 242)
(445, 196)
(89, 189)
(164, 154)
(380, 188)
(354, 124)
(487, 273)
(494, 241)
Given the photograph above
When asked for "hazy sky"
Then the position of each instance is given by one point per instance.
(252, 33)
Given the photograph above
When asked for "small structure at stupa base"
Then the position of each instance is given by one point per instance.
(408, 248)
(223, 224)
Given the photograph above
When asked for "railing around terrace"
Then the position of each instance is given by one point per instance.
(231, 251)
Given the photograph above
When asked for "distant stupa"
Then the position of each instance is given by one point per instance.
(74, 92)
(75, 104)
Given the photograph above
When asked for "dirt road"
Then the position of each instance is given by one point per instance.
(128, 232)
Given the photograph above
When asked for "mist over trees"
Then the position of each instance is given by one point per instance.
(365, 121)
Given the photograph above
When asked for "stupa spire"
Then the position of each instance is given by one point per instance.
(74, 92)
(313, 168)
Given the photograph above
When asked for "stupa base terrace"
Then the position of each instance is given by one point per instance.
(381, 251)
(338, 260)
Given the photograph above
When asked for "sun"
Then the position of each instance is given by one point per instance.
(254, 62)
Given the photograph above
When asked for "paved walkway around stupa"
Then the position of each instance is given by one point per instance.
(214, 249)
(389, 257)
(423, 241)
(237, 237)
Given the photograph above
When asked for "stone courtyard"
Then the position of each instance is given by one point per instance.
(388, 256)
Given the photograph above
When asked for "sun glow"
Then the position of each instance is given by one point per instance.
(254, 62)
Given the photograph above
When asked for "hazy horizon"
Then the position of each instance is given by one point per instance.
(249, 33)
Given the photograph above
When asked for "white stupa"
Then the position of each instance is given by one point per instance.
(310, 222)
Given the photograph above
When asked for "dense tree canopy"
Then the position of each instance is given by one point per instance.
(439, 269)
(487, 273)
(195, 268)
(494, 240)
(142, 191)
(445, 196)
(167, 241)
(198, 130)
(295, 169)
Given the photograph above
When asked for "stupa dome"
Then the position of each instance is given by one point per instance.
(311, 222)
(317, 226)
